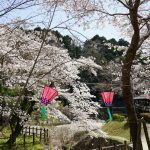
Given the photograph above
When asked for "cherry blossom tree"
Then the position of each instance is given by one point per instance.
(18, 51)
(132, 17)
(22, 59)
(140, 74)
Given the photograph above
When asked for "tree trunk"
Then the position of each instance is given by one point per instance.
(15, 133)
(15, 121)
(127, 90)
(131, 112)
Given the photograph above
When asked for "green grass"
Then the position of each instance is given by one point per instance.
(6, 131)
(117, 128)
(19, 142)
(21, 147)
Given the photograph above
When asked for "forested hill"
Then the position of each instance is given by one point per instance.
(99, 47)
(78, 71)
(108, 53)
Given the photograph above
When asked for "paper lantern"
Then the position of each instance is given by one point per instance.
(107, 98)
(48, 95)
(148, 96)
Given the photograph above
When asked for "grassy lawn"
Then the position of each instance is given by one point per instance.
(117, 128)
(19, 142)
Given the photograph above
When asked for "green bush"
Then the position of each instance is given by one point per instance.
(118, 117)
(12, 92)
(79, 135)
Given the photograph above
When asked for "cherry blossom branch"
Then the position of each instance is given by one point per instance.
(36, 59)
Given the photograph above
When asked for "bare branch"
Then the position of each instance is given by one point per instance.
(131, 3)
(142, 2)
(69, 29)
(13, 6)
(36, 59)
(69, 19)
(120, 1)
(146, 36)
(107, 13)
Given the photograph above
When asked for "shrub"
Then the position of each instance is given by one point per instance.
(118, 117)
(12, 92)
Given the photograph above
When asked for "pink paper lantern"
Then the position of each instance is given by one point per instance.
(148, 96)
(107, 98)
(48, 95)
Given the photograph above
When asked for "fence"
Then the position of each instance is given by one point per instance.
(116, 147)
(140, 122)
(42, 133)
(33, 133)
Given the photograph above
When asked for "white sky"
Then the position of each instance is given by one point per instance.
(108, 31)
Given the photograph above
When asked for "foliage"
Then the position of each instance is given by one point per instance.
(21, 53)
(74, 50)
(50, 120)
(6, 131)
(118, 117)
(102, 49)
(12, 92)
(59, 67)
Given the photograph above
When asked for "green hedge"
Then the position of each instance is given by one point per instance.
(9, 91)
(118, 117)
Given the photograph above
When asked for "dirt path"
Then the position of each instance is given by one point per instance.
(144, 143)
(62, 133)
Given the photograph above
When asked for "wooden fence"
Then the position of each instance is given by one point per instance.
(42, 133)
(140, 122)
(125, 145)
(116, 147)
(35, 132)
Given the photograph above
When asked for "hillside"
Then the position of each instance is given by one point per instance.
(72, 67)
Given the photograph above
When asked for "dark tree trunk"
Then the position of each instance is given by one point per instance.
(15, 121)
(127, 89)
(15, 133)
(131, 112)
